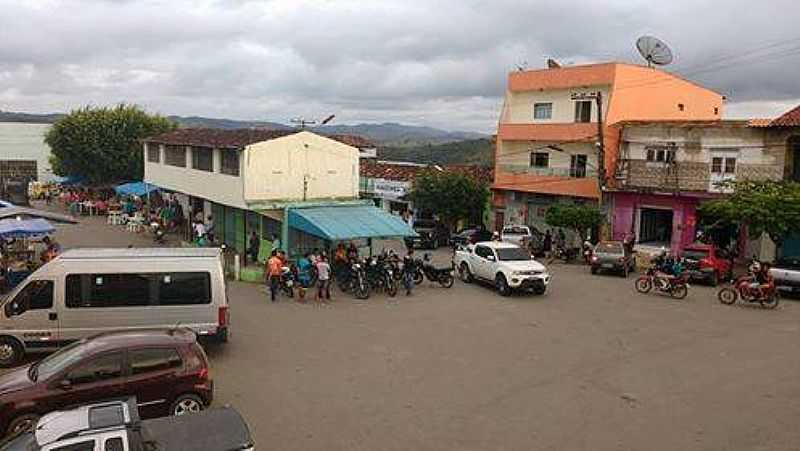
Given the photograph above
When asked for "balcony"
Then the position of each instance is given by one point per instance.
(577, 132)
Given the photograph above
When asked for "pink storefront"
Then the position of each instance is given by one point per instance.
(655, 219)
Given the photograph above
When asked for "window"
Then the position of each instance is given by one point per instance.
(131, 290)
(542, 111)
(175, 156)
(114, 444)
(230, 162)
(583, 111)
(513, 254)
(540, 159)
(103, 368)
(660, 154)
(37, 295)
(483, 251)
(151, 360)
(86, 445)
(153, 153)
(184, 288)
(203, 158)
(577, 166)
(716, 165)
(730, 165)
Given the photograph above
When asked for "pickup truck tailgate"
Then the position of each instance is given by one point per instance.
(211, 430)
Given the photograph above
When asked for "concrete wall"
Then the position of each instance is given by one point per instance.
(515, 156)
(275, 170)
(519, 105)
(214, 186)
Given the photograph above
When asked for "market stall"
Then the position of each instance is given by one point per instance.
(17, 250)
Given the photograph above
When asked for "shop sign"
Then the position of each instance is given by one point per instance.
(390, 189)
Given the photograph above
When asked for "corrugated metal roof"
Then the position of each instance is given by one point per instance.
(348, 222)
(151, 252)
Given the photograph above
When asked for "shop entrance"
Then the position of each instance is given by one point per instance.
(655, 226)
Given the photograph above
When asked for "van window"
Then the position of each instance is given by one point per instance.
(37, 295)
(86, 445)
(131, 290)
(114, 444)
(145, 361)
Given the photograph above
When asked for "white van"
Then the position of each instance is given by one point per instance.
(83, 292)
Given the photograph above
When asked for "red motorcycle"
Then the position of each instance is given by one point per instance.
(674, 286)
(749, 290)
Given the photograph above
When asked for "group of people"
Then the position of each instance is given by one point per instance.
(312, 268)
(18, 258)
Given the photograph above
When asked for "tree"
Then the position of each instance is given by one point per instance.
(103, 144)
(577, 217)
(771, 207)
(451, 196)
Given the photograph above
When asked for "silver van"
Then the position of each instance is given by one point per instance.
(83, 292)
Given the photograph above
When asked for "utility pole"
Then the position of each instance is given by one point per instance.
(601, 149)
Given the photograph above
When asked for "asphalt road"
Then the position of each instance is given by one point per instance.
(591, 365)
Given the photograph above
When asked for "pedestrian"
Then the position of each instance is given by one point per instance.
(210, 228)
(409, 266)
(273, 274)
(304, 275)
(547, 245)
(323, 280)
(255, 245)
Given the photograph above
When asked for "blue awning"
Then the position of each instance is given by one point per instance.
(69, 180)
(348, 222)
(135, 189)
(25, 228)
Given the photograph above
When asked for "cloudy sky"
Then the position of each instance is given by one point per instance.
(441, 63)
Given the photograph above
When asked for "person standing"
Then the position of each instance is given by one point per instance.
(547, 244)
(409, 267)
(304, 275)
(323, 280)
(255, 245)
(273, 271)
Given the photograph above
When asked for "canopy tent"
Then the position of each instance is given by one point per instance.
(25, 228)
(5, 204)
(27, 213)
(135, 189)
(70, 180)
(347, 222)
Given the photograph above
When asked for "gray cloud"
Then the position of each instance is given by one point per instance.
(434, 63)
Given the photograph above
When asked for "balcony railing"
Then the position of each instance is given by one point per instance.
(549, 172)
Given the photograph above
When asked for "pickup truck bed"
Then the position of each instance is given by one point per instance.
(786, 273)
(211, 430)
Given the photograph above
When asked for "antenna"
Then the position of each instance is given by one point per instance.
(522, 66)
(302, 123)
(654, 51)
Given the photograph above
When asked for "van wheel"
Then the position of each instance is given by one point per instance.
(11, 352)
(186, 404)
(21, 424)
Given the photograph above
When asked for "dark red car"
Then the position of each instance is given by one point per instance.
(707, 263)
(166, 370)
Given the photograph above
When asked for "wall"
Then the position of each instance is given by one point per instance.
(275, 170)
(625, 213)
(519, 104)
(515, 156)
(214, 186)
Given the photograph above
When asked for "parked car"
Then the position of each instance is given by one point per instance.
(431, 234)
(116, 426)
(86, 291)
(508, 266)
(520, 235)
(166, 370)
(786, 273)
(705, 262)
(470, 235)
(612, 256)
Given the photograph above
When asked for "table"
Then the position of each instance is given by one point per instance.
(114, 218)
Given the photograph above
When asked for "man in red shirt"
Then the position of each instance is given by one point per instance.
(273, 274)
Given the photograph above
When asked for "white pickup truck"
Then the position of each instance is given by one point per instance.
(508, 266)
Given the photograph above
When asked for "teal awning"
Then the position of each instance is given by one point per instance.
(348, 222)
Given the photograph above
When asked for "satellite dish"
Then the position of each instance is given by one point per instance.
(654, 50)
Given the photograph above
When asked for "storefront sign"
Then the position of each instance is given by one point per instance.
(390, 189)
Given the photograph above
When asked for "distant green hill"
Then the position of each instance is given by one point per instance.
(472, 151)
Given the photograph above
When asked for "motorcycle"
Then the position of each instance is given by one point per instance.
(444, 276)
(287, 281)
(564, 254)
(746, 288)
(158, 232)
(380, 276)
(675, 286)
(588, 251)
(355, 281)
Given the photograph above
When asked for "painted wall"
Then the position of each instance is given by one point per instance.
(214, 186)
(519, 105)
(625, 212)
(515, 156)
(275, 170)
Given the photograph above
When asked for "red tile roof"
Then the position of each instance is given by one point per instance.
(237, 138)
(789, 119)
(408, 172)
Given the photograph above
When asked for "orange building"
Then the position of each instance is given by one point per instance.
(546, 145)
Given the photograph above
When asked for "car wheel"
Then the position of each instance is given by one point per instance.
(501, 285)
(11, 352)
(186, 404)
(21, 424)
(464, 274)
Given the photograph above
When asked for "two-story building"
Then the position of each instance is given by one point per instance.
(296, 185)
(547, 137)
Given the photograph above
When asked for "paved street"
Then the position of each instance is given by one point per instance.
(589, 366)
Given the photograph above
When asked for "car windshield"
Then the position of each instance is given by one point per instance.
(513, 254)
(609, 248)
(55, 363)
(695, 254)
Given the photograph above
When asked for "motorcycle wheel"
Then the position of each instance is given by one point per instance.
(644, 284)
(362, 289)
(679, 291)
(727, 295)
(770, 302)
(464, 274)
(446, 280)
(418, 277)
(391, 287)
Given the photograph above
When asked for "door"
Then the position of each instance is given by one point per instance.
(33, 314)
(101, 377)
(74, 444)
(499, 220)
(153, 376)
(482, 264)
(723, 169)
(577, 166)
